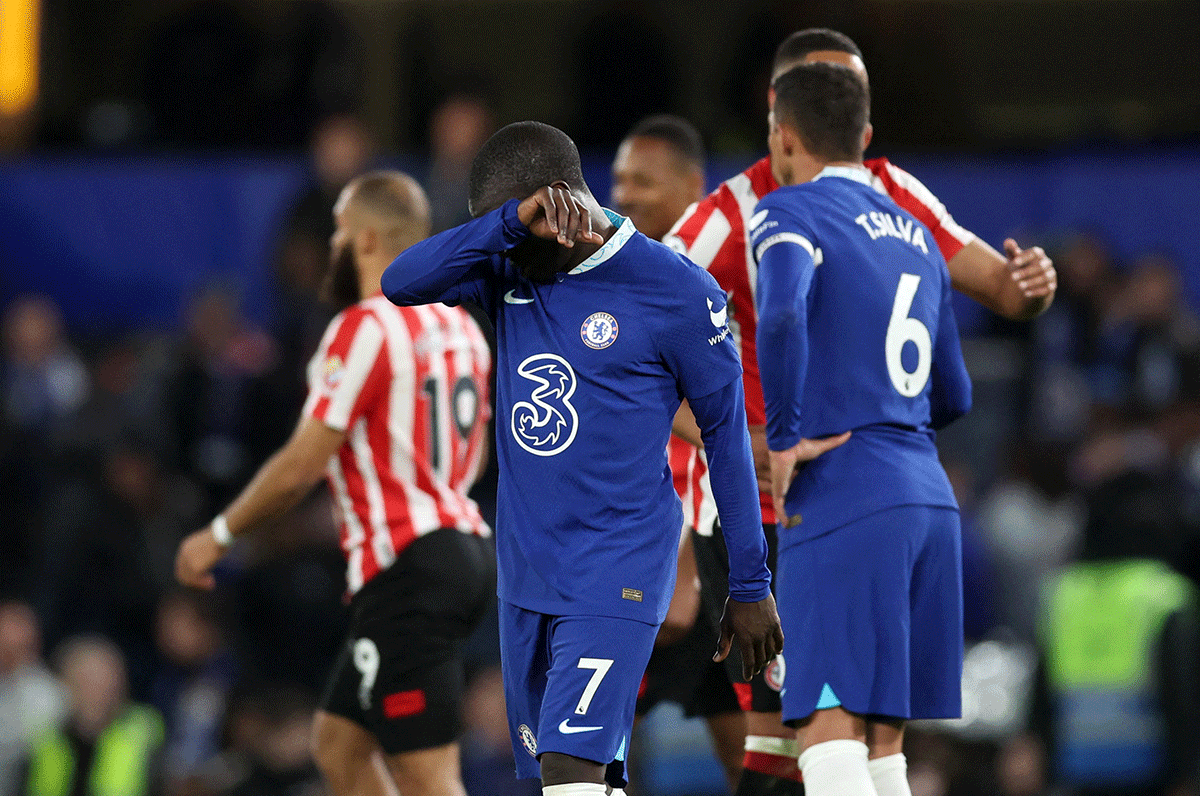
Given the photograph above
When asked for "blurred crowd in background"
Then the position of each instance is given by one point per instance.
(1084, 443)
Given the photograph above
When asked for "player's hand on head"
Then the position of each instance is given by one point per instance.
(552, 212)
(1031, 269)
(755, 627)
(197, 555)
(784, 464)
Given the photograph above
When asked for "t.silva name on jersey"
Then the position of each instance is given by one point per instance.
(879, 224)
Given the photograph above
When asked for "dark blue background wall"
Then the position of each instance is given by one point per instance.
(122, 243)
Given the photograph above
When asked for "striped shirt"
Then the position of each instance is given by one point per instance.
(409, 386)
(712, 233)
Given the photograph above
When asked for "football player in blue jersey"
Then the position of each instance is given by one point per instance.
(856, 334)
(601, 333)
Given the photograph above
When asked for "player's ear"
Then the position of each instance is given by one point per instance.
(789, 140)
(868, 131)
(696, 183)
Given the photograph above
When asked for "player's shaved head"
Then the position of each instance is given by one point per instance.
(828, 106)
(814, 45)
(390, 197)
(517, 160)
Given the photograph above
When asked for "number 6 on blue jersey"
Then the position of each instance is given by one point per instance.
(902, 329)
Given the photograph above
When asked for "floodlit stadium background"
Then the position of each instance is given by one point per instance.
(167, 170)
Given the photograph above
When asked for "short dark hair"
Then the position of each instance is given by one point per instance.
(811, 40)
(828, 105)
(675, 131)
(517, 160)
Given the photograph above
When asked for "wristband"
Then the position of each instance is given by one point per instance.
(220, 531)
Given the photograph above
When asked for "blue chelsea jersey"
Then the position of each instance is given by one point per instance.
(855, 333)
(591, 368)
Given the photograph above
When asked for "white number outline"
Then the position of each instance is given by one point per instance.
(366, 660)
(903, 329)
(600, 667)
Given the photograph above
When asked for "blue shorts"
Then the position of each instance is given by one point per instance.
(872, 613)
(571, 685)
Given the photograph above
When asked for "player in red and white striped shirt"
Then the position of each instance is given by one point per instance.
(713, 235)
(396, 419)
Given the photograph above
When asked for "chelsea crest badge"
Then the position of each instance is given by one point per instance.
(599, 330)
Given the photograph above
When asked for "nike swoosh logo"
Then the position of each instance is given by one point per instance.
(567, 729)
(509, 298)
(718, 318)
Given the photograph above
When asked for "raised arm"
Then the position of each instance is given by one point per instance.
(1017, 285)
(454, 265)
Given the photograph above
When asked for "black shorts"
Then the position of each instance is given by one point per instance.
(400, 674)
(761, 694)
(684, 673)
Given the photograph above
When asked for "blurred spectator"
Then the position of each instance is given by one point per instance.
(214, 395)
(1074, 359)
(487, 750)
(1120, 634)
(42, 381)
(340, 148)
(107, 742)
(1032, 521)
(191, 689)
(294, 577)
(460, 125)
(31, 700)
(270, 727)
(1164, 361)
(97, 574)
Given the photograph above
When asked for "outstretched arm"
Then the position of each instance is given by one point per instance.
(1018, 285)
(279, 485)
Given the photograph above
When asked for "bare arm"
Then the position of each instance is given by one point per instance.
(279, 485)
(1018, 287)
(685, 426)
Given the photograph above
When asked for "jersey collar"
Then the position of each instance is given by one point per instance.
(856, 173)
(624, 232)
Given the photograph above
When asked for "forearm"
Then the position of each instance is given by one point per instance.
(982, 273)
(278, 486)
(722, 420)
(428, 271)
(685, 426)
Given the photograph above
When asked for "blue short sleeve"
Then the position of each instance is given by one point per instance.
(697, 344)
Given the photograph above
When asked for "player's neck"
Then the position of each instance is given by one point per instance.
(804, 168)
(369, 276)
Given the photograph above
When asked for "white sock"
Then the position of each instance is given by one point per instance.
(890, 775)
(836, 768)
(576, 789)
